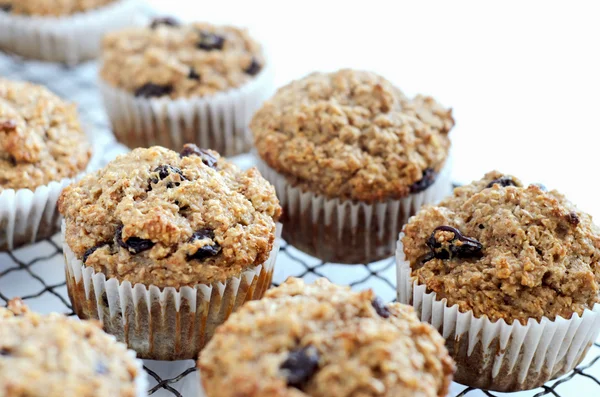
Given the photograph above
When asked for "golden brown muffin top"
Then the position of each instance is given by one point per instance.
(155, 216)
(323, 340)
(55, 356)
(180, 61)
(353, 135)
(506, 251)
(41, 139)
(51, 8)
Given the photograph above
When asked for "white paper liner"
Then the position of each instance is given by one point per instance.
(501, 356)
(27, 216)
(218, 122)
(167, 324)
(69, 39)
(344, 231)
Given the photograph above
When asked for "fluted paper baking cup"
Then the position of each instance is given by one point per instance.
(69, 39)
(496, 355)
(27, 216)
(162, 324)
(345, 231)
(218, 122)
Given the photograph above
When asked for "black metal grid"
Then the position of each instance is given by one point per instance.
(35, 273)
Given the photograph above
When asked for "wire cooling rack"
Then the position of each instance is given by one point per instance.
(35, 273)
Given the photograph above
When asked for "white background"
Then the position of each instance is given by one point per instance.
(523, 78)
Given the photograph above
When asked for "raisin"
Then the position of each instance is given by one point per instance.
(193, 75)
(253, 68)
(165, 170)
(5, 352)
(210, 41)
(300, 366)
(380, 307)
(90, 251)
(6, 7)
(429, 176)
(134, 245)
(503, 182)
(150, 90)
(167, 21)
(207, 250)
(468, 247)
(573, 218)
(189, 149)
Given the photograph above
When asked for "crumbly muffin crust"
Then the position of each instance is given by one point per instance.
(324, 340)
(353, 135)
(52, 355)
(538, 254)
(154, 216)
(41, 139)
(51, 8)
(180, 61)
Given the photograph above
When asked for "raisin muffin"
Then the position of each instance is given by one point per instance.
(170, 83)
(66, 31)
(162, 246)
(52, 355)
(325, 340)
(503, 267)
(351, 158)
(42, 145)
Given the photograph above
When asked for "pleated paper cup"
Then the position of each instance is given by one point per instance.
(68, 39)
(218, 122)
(345, 231)
(27, 216)
(496, 355)
(162, 324)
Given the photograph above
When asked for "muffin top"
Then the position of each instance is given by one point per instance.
(51, 8)
(325, 340)
(41, 139)
(506, 251)
(54, 356)
(180, 61)
(353, 135)
(154, 216)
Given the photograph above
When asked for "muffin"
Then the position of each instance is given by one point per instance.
(42, 146)
(52, 355)
(162, 246)
(352, 159)
(66, 31)
(509, 275)
(168, 83)
(324, 340)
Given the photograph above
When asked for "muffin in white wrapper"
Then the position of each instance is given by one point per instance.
(219, 122)
(69, 39)
(497, 355)
(168, 324)
(347, 231)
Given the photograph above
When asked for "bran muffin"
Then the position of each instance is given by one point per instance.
(510, 254)
(189, 224)
(169, 83)
(66, 31)
(52, 355)
(346, 149)
(324, 340)
(42, 145)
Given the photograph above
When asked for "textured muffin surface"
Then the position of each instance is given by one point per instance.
(353, 135)
(522, 252)
(41, 139)
(155, 216)
(169, 59)
(54, 356)
(51, 8)
(324, 340)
